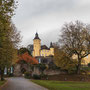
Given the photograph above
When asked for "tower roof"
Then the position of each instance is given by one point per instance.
(36, 36)
(51, 45)
(44, 47)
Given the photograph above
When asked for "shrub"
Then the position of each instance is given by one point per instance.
(27, 75)
(42, 67)
(86, 68)
(10, 74)
(44, 76)
(71, 71)
(35, 76)
(88, 64)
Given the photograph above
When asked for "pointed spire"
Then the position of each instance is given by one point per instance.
(36, 36)
(51, 45)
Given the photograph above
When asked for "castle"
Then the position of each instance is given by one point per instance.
(41, 50)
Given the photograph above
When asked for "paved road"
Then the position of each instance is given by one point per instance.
(18, 83)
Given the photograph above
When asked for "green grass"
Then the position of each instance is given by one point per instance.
(2, 82)
(63, 85)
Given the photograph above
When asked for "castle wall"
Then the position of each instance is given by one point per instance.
(52, 51)
(45, 52)
(85, 60)
(37, 47)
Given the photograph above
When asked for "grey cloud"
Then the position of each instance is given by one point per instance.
(46, 15)
(45, 6)
(35, 7)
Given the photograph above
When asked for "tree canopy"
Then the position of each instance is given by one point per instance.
(75, 39)
(9, 35)
(62, 60)
(27, 58)
(23, 50)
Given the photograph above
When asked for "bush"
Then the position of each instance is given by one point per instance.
(88, 64)
(27, 75)
(71, 71)
(10, 75)
(41, 67)
(86, 68)
(43, 76)
(35, 76)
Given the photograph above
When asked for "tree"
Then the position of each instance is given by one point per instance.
(75, 40)
(9, 36)
(42, 67)
(8, 49)
(27, 58)
(62, 60)
(23, 50)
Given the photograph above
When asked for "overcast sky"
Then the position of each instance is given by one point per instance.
(47, 17)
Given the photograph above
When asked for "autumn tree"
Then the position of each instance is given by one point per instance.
(27, 58)
(9, 36)
(8, 50)
(75, 40)
(62, 60)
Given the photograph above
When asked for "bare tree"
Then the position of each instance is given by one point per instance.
(75, 39)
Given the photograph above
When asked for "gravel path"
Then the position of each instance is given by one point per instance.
(19, 83)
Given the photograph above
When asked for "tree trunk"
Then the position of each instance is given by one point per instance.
(7, 71)
(78, 66)
(2, 74)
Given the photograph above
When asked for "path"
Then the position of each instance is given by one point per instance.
(19, 83)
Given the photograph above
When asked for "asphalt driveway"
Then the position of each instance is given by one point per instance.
(19, 83)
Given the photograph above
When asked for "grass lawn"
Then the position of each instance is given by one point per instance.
(2, 82)
(63, 85)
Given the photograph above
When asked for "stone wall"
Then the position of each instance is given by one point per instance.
(53, 72)
(36, 70)
(17, 70)
(48, 72)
